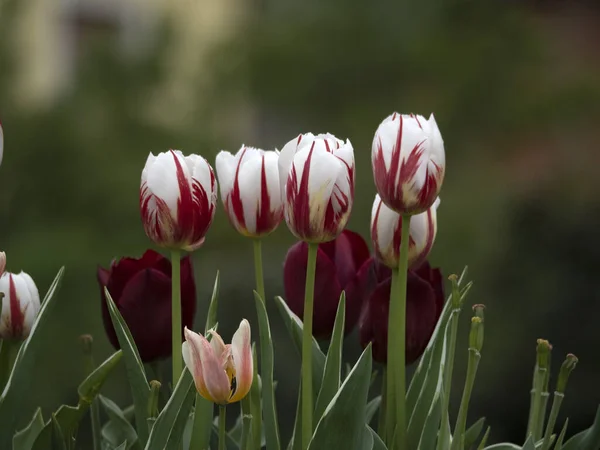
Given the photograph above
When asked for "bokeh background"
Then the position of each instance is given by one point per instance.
(89, 87)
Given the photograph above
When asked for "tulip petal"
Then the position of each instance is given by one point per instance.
(225, 164)
(286, 157)
(217, 344)
(163, 177)
(191, 357)
(242, 359)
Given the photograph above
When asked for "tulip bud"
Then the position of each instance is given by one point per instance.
(222, 373)
(2, 257)
(424, 304)
(20, 305)
(565, 371)
(250, 191)
(338, 263)
(316, 175)
(177, 199)
(141, 290)
(408, 162)
(386, 230)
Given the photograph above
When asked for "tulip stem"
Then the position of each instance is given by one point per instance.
(307, 391)
(258, 269)
(396, 356)
(222, 411)
(176, 316)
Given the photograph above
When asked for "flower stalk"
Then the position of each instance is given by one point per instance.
(90, 365)
(396, 380)
(307, 392)
(176, 316)
(222, 417)
(539, 380)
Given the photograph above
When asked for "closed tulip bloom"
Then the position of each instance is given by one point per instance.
(141, 290)
(408, 162)
(222, 373)
(424, 304)
(338, 262)
(386, 231)
(177, 199)
(20, 305)
(250, 191)
(317, 180)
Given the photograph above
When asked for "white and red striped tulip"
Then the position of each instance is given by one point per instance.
(250, 191)
(178, 196)
(20, 305)
(222, 373)
(408, 162)
(317, 179)
(386, 230)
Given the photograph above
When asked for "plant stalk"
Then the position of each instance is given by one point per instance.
(461, 421)
(556, 402)
(307, 391)
(176, 316)
(222, 411)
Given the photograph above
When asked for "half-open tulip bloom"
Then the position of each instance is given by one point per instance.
(424, 304)
(338, 262)
(250, 191)
(222, 373)
(141, 290)
(386, 231)
(408, 162)
(177, 199)
(317, 180)
(20, 305)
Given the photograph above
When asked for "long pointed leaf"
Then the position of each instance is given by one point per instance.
(127, 435)
(24, 439)
(561, 436)
(473, 432)
(140, 389)
(588, 439)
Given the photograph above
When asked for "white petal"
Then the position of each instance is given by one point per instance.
(5, 313)
(225, 164)
(202, 172)
(387, 225)
(286, 156)
(162, 178)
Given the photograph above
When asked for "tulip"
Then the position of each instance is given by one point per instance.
(338, 262)
(222, 373)
(424, 304)
(408, 162)
(316, 174)
(386, 228)
(141, 290)
(177, 199)
(20, 305)
(249, 182)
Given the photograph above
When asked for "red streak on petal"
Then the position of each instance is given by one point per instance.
(185, 204)
(422, 257)
(17, 318)
(298, 198)
(327, 145)
(264, 216)
(235, 197)
(375, 232)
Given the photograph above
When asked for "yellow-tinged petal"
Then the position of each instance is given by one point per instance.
(242, 359)
(191, 357)
(217, 344)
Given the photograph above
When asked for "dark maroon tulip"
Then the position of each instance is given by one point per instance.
(338, 262)
(424, 304)
(141, 289)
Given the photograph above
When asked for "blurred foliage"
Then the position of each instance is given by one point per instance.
(519, 204)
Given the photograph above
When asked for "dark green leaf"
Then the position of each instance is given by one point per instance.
(529, 444)
(255, 405)
(269, 410)
(473, 432)
(561, 436)
(24, 439)
(168, 428)
(211, 317)
(343, 423)
(378, 444)
(588, 439)
(296, 440)
(90, 387)
(140, 389)
(485, 438)
(372, 408)
(294, 327)
(58, 437)
(333, 362)
(230, 444)
(503, 446)
(123, 446)
(120, 430)
(25, 368)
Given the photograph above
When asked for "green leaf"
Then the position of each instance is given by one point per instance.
(473, 432)
(485, 438)
(211, 317)
(90, 387)
(24, 439)
(255, 405)
(588, 439)
(123, 446)
(561, 436)
(120, 432)
(372, 408)
(343, 423)
(25, 368)
(58, 437)
(269, 410)
(378, 444)
(529, 444)
(168, 428)
(230, 444)
(333, 362)
(294, 327)
(140, 389)
(296, 440)
(503, 446)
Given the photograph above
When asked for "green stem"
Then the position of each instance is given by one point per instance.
(307, 391)
(176, 316)
(246, 421)
(266, 360)
(537, 401)
(8, 355)
(396, 350)
(222, 411)
(556, 402)
(461, 421)
(382, 406)
(444, 430)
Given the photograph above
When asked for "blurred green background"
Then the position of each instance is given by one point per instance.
(89, 87)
